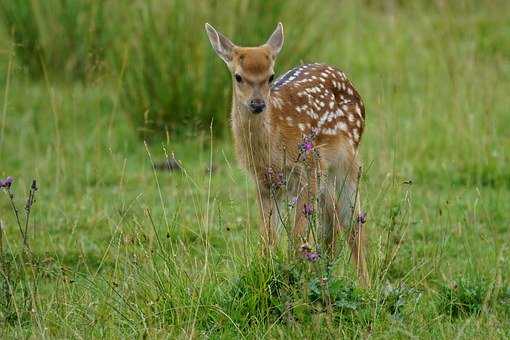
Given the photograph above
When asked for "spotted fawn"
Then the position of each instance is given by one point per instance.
(307, 125)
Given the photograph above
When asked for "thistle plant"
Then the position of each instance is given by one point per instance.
(303, 200)
(17, 271)
(6, 185)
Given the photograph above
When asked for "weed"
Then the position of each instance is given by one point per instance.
(19, 272)
(465, 297)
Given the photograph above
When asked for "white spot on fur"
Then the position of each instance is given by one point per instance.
(312, 114)
(355, 134)
(358, 110)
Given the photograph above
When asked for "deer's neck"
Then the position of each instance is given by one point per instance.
(252, 135)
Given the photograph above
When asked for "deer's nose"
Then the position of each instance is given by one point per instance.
(257, 105)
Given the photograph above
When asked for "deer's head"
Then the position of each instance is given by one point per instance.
(251, 67)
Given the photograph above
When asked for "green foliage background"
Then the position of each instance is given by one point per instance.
(124, 251)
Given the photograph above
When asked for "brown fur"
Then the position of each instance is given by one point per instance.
(313, 101)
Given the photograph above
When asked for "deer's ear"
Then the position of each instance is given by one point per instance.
(220, 43)
(275, 41)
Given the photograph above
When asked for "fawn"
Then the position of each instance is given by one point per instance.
(277, 122)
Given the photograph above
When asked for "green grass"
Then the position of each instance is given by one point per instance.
(123, 251)
(169, 77)
(59, 37)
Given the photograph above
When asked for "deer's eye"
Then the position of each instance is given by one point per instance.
(239, 79)
(271, 78)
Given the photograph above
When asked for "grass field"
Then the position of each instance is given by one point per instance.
(122, 250)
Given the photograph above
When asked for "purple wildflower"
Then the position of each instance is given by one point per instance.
(6, 183)
(312, 256)
(362, 218)
(276, 180)
(293, 201)
(306, 145)
(280, 179)
(308, 209)
(308, 254)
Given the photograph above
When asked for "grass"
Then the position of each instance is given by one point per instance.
(59, 37)
(169, 78)
(121, 250)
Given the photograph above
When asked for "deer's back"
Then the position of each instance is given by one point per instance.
(318, 100)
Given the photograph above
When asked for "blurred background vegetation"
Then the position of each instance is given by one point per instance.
(157, 49)
(169, 79)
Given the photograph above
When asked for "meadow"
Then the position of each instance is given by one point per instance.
(94, 95)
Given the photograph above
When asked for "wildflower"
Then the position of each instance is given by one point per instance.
(308, 254)
(362, 218)
(280, 179)
(293, 201)
(304, 148)
(312, 256)
(6, 183)
(276, 180)
(315, 132)
(308, 209)
(306, 145)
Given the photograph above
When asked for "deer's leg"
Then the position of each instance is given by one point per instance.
(331, 222)
(268, 216)
(347, 210)
(358, 243)
(299, 230)
(305, 211)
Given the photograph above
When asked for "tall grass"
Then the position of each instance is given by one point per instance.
(171, 78)
(65, 38)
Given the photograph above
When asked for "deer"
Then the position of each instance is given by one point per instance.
(276, 123)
